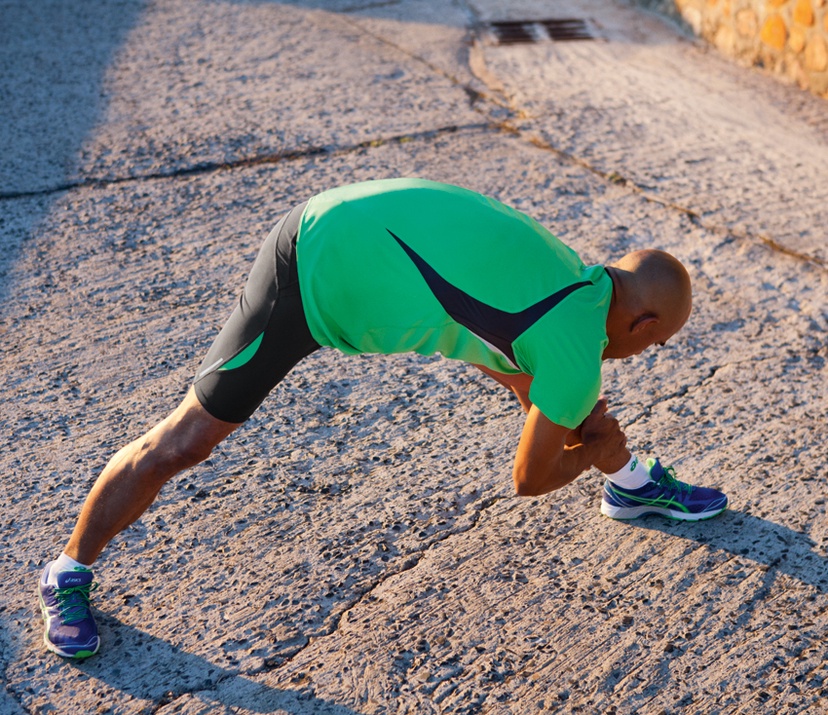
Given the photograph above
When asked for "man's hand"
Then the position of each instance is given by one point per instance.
(550, 456)
(547, 457)
(601, 433)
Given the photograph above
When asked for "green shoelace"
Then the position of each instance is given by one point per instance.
(74, 602)
(669, 481)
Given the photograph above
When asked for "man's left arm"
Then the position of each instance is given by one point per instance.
(518, 383)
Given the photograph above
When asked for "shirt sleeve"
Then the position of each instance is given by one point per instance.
(566, 395)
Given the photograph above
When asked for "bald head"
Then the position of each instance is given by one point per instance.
(652, 299)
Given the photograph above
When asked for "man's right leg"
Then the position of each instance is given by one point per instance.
(133, 477)
(127, 486)
(266, 335)
(634, 488)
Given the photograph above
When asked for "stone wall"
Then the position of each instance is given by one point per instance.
(788, 37)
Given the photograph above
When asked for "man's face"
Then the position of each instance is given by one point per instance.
(636, 342)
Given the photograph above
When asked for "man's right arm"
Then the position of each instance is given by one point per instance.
(545, 462)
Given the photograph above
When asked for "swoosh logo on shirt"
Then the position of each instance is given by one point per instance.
(496, 327)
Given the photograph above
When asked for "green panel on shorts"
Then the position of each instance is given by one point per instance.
(244, 357)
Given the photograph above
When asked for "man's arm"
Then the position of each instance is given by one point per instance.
(545, 462)
(549, 456)
(519, 384)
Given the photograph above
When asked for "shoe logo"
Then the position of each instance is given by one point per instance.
(634, 464)
(626, 498)
(497, 328)
(72, 580)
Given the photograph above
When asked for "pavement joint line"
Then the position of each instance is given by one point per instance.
(409, 563)
(493, 98)
(695, 216)
(371, 6)
(171, 696)
(683, 391)
(474, 95)
(612, 177)
(261, 160)
(699, 384)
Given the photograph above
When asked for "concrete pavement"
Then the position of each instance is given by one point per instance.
(356, 547)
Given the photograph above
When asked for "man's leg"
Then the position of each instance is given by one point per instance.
(266, 335)
(127, 486)
(133, 477)
(634, 488)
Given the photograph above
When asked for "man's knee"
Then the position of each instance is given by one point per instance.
(186, 438)
(174, 449)
(188, 452)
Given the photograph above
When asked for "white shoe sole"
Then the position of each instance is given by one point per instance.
(624, 513)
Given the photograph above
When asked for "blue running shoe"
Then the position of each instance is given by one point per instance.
(71, 631)
(664, 495)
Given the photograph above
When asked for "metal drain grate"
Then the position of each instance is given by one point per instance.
(567, 29)
(513, 32)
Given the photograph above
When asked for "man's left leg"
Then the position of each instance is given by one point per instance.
(134, 476)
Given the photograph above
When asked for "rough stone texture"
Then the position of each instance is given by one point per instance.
(786, 36)
(356, 548)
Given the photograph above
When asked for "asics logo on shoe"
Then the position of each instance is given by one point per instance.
(664, 495)
(70, 629)
(658, 501)
(634, 464)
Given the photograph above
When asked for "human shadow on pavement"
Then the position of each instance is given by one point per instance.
(146, 667)
(775, 548)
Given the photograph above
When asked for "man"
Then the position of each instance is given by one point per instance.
(411, 265)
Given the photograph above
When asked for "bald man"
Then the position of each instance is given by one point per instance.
(409, 265)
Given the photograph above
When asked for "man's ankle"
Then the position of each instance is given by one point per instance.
(64, 563)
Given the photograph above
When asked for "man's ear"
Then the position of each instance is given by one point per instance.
(642, 321)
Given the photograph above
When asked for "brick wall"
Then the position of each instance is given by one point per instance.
(788, 37)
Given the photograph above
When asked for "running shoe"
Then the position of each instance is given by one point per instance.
(663, 494)
(70, 631)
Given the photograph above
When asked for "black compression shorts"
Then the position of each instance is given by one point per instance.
(266, 335)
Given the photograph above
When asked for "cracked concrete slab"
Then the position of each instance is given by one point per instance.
(356, 547)
(668, 115)
(177, 85)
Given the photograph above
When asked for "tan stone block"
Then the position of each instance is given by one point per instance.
(747, 23)
(774, 33)
(797, 39)
(803, 13)
(796, 73)
(816, 55)
(725, 39)
(819, 83)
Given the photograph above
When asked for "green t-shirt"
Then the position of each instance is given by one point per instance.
(406, 265)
